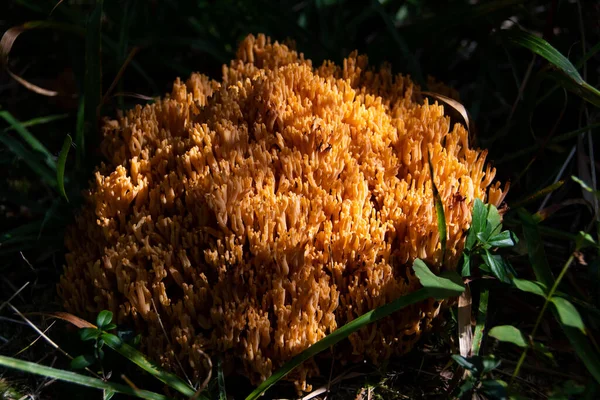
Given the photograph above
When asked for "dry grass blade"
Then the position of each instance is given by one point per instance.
(132, 54)
(207, 379)
(169, 342)
(129, 382)
(6, 43)
(55, 6)
(34, 88)
(35, 341)
(133, 95)
(461, 109)
(4, 304)
(46, 338)
(78, 322)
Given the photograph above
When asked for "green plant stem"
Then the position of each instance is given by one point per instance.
(541, 315)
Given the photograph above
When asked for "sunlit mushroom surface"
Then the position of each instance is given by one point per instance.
(255, 215)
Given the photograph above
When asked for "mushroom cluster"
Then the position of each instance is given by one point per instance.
(251, 217)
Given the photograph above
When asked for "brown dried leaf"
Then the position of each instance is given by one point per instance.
(456, 105)
(6, 44)
(78, 322)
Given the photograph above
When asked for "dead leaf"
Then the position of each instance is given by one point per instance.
(459, 107)
(78, 322)
(6, 44)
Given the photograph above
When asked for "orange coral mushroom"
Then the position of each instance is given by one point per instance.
(262, 212)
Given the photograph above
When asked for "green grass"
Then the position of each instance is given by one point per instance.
(527, 73)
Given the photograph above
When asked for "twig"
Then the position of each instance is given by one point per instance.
(13, 296)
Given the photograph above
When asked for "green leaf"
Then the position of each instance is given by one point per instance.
(89, 334)
(466, 388)
(483, 237)
(503, 239)
(535, 248)
(584, 240)
(478, 223)
(510, 334)
(30, 158)
(493, 221)
(110, 327)
(107, 394)
(539, 46)
(585, 186)
(82, 361)
(141, 361)
(465, 363)
(433, 287)
(584, 90)
(490, 363)
(78, 379)
(477, 365)
(534, 287)
(440, 287)
(465, 270)
(567, 313)
(60, 168)
(586, 353)
(544, 49)
(104, 318)
(499, 267)
(494, 389)
(112, 341)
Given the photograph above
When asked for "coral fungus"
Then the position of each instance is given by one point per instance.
(255, 215)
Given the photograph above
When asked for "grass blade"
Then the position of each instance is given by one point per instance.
(539, 46)
(62, 161)
(29, 158)
(29, 138)
(542, 48)
(141, 361)
(40, 121)
(78, 379)
(338, 335)
(484, 296)
(439, 210)
(433, 286)
(221, 380)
